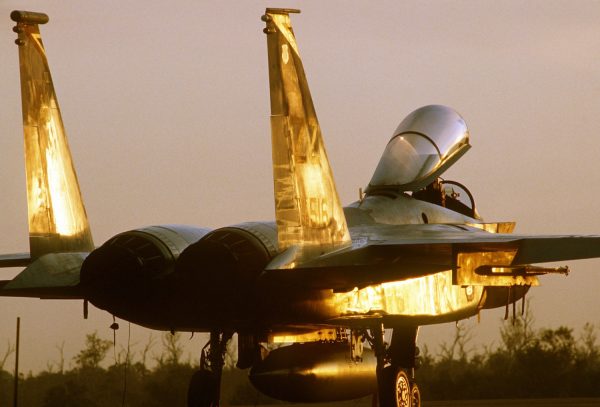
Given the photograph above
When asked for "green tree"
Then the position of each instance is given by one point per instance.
(518, 333)
(172, 349)
(10, 349)
(94, 352)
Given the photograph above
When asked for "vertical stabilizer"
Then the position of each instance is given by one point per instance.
(307, 207)
(57, 217)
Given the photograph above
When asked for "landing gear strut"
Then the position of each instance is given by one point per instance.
(396, 363)
(205, 385)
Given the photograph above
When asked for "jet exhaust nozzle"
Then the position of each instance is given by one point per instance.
(138, 259)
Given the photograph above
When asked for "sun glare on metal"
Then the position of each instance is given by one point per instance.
(57, 217)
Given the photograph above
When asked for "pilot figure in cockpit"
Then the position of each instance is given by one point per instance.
(433, 193)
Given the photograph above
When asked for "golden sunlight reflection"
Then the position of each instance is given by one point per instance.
(51, 204)
(308, 211)
(57, 218)
(316, 195)
(430, 295)
(329, 369)
(58, 185)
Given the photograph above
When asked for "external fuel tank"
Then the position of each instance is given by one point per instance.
(315, 372)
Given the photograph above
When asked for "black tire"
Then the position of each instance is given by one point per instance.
(385, 387)
(202, 389)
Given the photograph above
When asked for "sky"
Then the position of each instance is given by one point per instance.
(166, 107)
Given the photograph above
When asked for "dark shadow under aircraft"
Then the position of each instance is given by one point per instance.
(324, 278)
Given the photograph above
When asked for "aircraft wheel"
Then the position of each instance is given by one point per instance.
(396, 390)
(202, 389)
(402, 388)
(415, 396)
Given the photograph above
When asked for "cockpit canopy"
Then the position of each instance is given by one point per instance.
(426, 143)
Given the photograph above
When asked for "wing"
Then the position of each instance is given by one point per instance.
(59, 232)
(15, 260)
(383, 253)
(54, 275)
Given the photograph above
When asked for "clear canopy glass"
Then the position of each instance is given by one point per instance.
(424, 145)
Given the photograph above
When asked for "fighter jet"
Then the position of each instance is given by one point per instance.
(322, 278)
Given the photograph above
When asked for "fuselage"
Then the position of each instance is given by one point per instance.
(173, 304)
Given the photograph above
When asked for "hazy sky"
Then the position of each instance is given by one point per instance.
(167, 112)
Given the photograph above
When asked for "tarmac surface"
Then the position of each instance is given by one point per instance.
(577, 402)
(570, 402)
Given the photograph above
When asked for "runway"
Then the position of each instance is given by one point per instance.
(562, 402)
(571, 402)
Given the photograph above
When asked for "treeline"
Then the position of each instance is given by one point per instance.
(528, 363)
(129, 381)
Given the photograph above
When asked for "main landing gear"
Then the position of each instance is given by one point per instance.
(205, 385)
(396, 364)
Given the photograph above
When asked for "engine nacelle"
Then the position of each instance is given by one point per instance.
(228, 261)
(315, 372)
(135, 258)
(230, 255)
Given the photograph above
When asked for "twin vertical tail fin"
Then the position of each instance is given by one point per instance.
(57, 217)
(307, 207)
